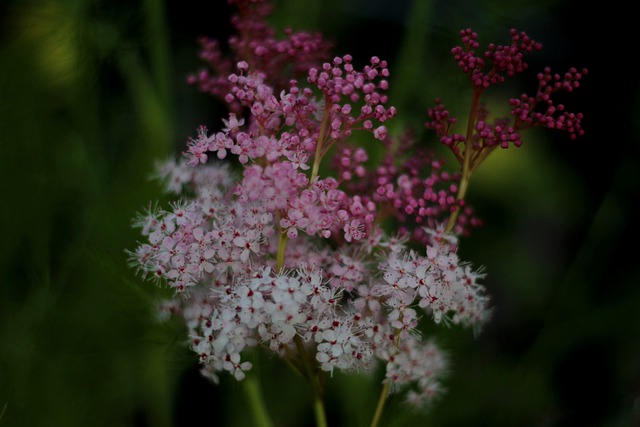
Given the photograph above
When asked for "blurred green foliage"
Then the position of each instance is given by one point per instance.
(92, 93)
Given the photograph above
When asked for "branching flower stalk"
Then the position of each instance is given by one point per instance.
(494, 66)
(263, 250)
(317, 159)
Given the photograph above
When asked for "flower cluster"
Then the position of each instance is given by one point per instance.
(497, 63)
(256, 42)
(347, 306)
(280, 254)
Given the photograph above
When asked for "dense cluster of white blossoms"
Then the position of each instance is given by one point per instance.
(346, 305)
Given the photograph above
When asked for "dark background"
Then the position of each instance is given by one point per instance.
(92, 93)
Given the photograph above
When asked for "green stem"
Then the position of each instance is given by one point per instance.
(318, 410)
(308, 364)
(159, 48)
(384, 393)
(282, 245)
(318, 157)
(381, 401)
(467, 166)
(314, 381)
(256, 402)
(468, 145)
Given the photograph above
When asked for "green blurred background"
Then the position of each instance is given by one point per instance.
(93, 92)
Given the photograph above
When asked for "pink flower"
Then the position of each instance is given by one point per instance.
(354, 230)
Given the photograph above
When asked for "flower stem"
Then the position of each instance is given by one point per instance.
(381, 401)
(384, 393)
(467, 166)
(308, 364)
(282, 245)
(321, 135)
(256, 402)
(318, 410)
(314, 381)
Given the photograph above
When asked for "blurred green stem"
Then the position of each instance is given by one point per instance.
(315, 382)
(409, 76)
(158, 48)
(384, 393)
(256, 401)
(282, 246)
(380, 407)
(318, 410)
